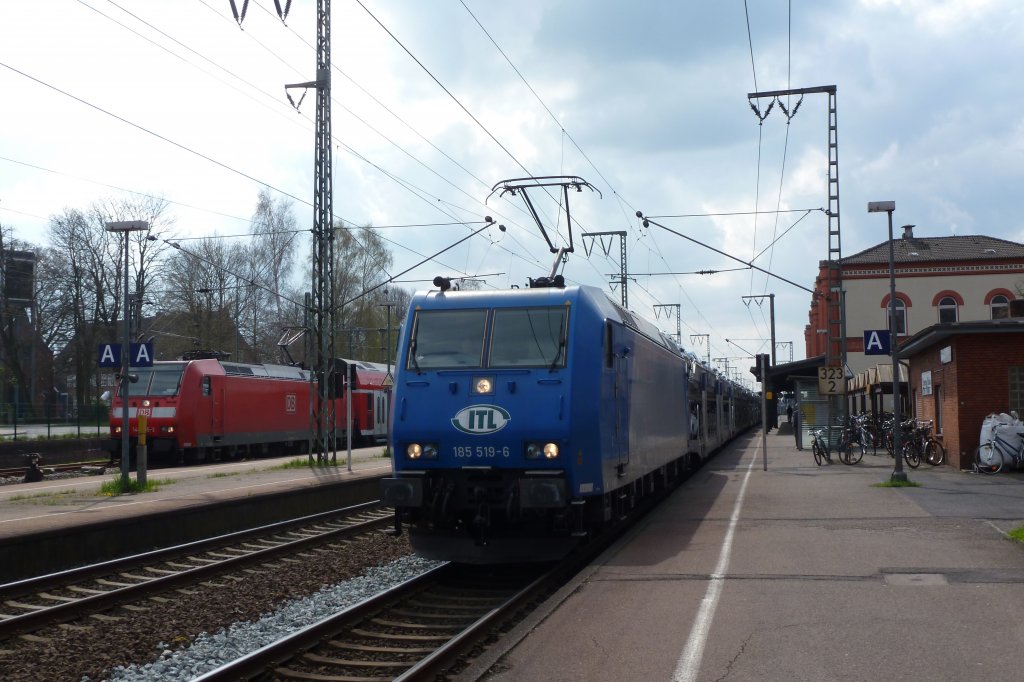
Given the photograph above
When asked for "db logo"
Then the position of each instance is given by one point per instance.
(290, 403)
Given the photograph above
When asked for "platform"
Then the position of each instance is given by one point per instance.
(797, 572)
(71, 522)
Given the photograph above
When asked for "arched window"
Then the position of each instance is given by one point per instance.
(947, 309)
(1000, 306)
(901, 317)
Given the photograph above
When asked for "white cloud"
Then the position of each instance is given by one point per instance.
(654, 94)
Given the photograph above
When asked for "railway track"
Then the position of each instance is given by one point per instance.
(426, 628)
(422, 629)
(20, 471)
(414, 631)
(35, 603)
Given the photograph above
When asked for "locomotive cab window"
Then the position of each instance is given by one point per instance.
(166, 380)
(529, 337)
(159, 380)
(447, 339)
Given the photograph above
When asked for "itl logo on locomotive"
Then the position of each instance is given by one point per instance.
(481, 419)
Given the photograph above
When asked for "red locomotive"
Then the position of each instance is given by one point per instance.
(209, 409)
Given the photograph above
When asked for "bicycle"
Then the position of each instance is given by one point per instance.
(933, 451)
(991, 457)
(921, 445)
(911, 454)
(886, 433)
(871, 428)
(820, 446)
(849, 437)
(867, 434)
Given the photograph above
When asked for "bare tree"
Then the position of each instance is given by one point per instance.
(85, 277)
(202, 282)
(274, 229)
(55, 315)
(150, 246)
(87, 270)
(272, 302)
(361, 265)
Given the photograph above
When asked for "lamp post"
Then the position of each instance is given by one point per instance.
(127, 227)
(897, 473)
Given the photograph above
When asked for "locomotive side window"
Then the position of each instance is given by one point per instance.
(529, 337)
(206, 390)
(446, 339)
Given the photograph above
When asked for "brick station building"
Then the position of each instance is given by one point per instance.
(961, 372)
(960, 329)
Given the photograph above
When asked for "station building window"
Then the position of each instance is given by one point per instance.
(901, 317)
(1000, 307)
(948, 309)
(1016, 381)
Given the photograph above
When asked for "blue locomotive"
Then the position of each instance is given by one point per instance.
(524, 419)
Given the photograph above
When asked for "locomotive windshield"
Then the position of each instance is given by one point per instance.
(529, 337)
(447, 339)
(520, 337)
(158, 380)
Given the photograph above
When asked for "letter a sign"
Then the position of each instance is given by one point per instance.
(110, 355)
(876, 342)
(141, 355)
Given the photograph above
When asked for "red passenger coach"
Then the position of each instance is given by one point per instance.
(369, 403)
(209, 409)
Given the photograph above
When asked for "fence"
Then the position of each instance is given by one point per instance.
(25, 421)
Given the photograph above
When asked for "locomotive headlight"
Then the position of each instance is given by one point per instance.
(145, 403)
(421, 451)
(539, 450)
(483, 385)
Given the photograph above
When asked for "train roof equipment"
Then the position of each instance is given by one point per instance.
(521, 186)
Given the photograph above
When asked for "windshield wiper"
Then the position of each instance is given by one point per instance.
(412, 356)
(558, 355)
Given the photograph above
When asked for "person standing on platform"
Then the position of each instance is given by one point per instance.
(796, 429)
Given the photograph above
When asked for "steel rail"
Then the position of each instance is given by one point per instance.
(257, 662)
(99, 602)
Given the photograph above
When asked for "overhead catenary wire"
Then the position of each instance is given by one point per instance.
(183, 146)
(157, 135)
(347, 148)
(649, 241)
(566, 135)
(719, 251)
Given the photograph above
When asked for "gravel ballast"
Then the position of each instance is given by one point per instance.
(211, 651)
(198, 628)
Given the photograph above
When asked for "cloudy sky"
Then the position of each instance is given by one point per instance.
(435, 102)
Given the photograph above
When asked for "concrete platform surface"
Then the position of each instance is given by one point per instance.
(30, 508)
(799, 572)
